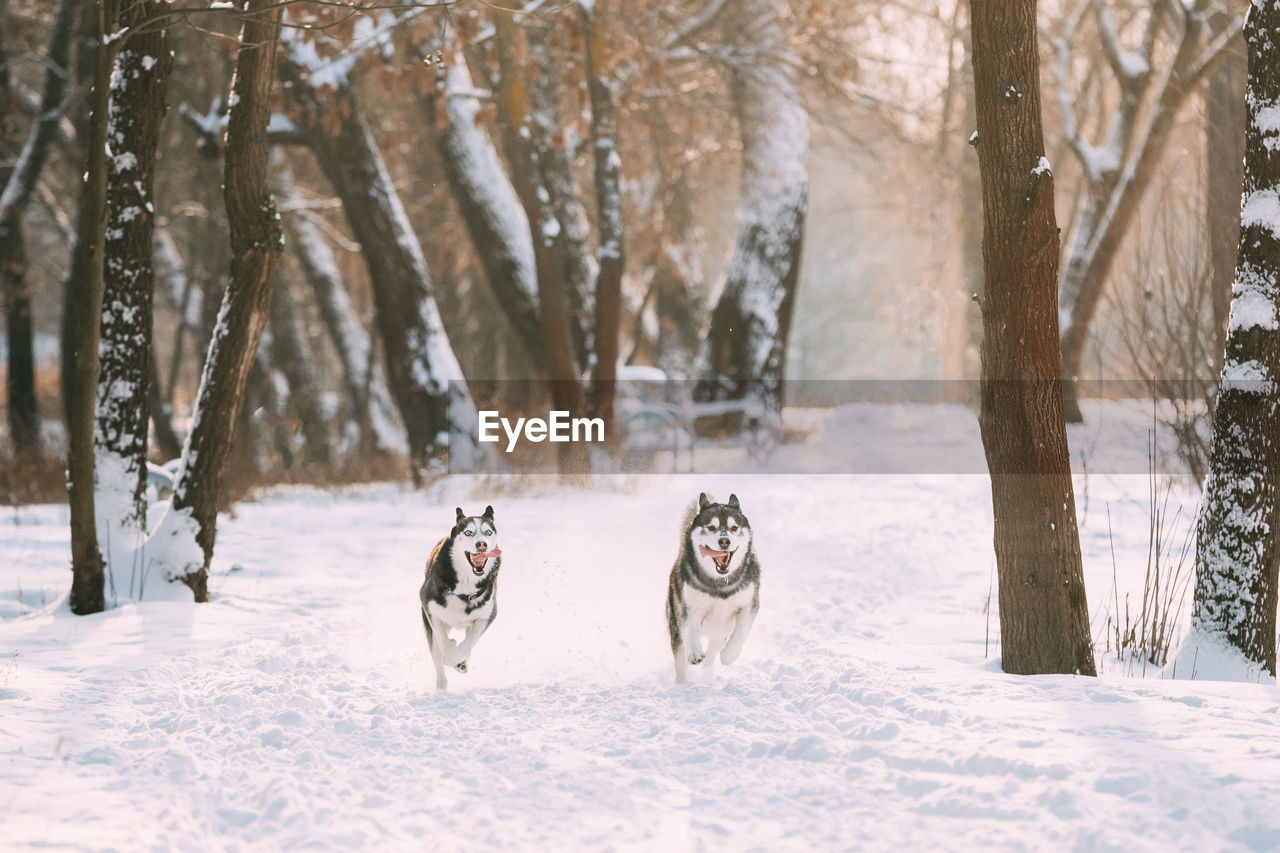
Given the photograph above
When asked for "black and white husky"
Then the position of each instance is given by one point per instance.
(460, 591)
(714, 591)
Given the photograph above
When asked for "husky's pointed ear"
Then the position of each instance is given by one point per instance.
(461, 515)
(733, 501)
(703, 503)
(488, 513)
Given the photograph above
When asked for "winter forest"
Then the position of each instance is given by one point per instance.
(872, 402)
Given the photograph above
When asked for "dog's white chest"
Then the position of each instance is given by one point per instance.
(454, 612)
(717, 615)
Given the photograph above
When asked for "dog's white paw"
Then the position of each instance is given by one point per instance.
(696, 658)
(460, 666)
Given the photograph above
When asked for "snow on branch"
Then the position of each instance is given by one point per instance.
(210, 125)
(1129, 67)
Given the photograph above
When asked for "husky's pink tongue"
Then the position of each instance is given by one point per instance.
(478, 558)
(721, 558)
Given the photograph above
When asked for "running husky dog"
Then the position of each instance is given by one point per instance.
(460, 590)
(714, 591)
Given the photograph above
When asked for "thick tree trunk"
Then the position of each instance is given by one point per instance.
(423, 372)
(24, 419)
(87, 577)
(1044, 618)
(1225, 120)
(1238, 535)
(744, 355)
(495, 221)
(120, 440)
(608, 181)
(255, 251)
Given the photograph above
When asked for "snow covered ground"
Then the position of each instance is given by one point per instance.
(868, 710)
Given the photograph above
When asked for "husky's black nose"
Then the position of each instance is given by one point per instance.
(725, 543)
(481, 547)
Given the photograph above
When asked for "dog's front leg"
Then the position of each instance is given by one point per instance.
(682, 664)
(691, 632)
(457, 656)
(738, 639)
(436, 637)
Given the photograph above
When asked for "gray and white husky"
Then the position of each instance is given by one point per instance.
(714, 592)
(460, 590)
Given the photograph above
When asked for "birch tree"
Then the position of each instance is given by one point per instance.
(1238, 532)
(1044, 616)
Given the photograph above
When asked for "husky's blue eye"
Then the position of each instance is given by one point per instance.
(469, 532)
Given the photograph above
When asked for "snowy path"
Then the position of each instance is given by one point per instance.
(297, 708)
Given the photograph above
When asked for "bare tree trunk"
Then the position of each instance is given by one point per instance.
(1225, 120)
(291, 355)
(185, 297)
(20, 380)
(87, 577)
(74, 293)
(1044, 617)
(423, 372)
(255, 252)
(524, 154)
(971, 226)
(167, 442)
(608, 180)
(1114, 195)
(495, 221)
(73, 298)
(120, 440)
(676, 270)
(24, 419)
(370, 401)
(1238, 535)
(744, 355)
